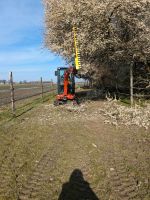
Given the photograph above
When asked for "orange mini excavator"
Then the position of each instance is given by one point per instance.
(66, 78)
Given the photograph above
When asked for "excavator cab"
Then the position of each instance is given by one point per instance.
(60, 79)
(65, 84)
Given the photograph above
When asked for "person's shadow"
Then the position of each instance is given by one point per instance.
(77, 188)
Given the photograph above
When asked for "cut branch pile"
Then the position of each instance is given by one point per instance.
(119, 114)
(109, 112)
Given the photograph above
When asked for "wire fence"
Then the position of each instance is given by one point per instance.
(132, 91)
(125, 91)
(12, 92)
(23, 93)
(134, 95)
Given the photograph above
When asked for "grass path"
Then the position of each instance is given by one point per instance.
(55, 153)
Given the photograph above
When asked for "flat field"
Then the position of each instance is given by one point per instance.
(22, 91)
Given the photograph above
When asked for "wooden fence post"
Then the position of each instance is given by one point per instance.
(42, 89)
(131, 83)
(12, 93)
(52, 83)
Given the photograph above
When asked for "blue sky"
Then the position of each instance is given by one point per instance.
(21, 42)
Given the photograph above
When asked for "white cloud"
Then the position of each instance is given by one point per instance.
(25, 56)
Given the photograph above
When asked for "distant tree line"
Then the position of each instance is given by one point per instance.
(3, 82)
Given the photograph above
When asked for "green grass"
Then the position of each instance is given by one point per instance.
(140, 102)
(125, 101)
(24, 106)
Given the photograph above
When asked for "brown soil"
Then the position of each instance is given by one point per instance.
(69, 153)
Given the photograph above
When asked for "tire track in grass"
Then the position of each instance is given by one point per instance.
(9, 183)
(38, 177)
(8, 167)
(7, 173)
(122, 183)
(37, 184)
(10, 170)
(6, 179)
